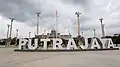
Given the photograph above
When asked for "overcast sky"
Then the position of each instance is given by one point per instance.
(25, 18)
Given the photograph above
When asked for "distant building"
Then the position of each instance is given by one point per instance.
(117, 35)
(53, 34)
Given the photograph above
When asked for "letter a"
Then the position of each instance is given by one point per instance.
(110, 43)
(71, 44)
(95, 44)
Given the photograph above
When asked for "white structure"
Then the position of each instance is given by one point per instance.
(53, 34)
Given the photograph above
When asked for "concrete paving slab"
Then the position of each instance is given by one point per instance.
(9, 58)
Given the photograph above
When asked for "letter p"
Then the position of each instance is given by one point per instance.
(22, 42)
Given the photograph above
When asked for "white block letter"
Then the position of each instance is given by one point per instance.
(71, 44)
(22, 42)
(57, 42)
(45, 43)
(103, 41)
(95, 44)
(110, 43)
(33, 46)
(86, 43)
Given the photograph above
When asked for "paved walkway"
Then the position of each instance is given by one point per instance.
(9, 58)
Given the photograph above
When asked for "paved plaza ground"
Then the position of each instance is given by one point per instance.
(9, 58)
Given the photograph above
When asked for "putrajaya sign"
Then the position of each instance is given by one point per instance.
(104, 43)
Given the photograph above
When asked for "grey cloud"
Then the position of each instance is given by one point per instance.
(114, 25)
(21, 10)
(85, 4)
(76, 2)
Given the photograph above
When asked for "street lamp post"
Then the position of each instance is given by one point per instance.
(82, 34)
(102, 27)
(16, 37)
(78, 16)
(17, 32)
(57, 23)
(8, 30)
(94, 32)
(79, 37)
(11, 26)
(38, 15)
(29, 34)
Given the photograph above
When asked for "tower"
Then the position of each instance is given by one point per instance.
(12, 19)
(38, 15)
(102, 27)
(78, 16)
(8, 30)
(57, 23)
(17, 32)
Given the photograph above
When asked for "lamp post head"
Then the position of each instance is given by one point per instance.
(17, 30)
(11, 19)
(29, 32)
(103, 25)
(78, 14)
(101, 19)
(8, 25)
(38, 13)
